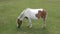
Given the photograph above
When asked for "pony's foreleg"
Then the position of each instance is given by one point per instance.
(29, 23)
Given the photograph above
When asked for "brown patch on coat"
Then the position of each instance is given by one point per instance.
(41, 14)
(19, 23)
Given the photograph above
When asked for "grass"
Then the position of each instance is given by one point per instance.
(10, 10)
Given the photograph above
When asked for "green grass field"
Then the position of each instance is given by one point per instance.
(10, 10)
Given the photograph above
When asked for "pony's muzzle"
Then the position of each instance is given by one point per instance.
(19, 23)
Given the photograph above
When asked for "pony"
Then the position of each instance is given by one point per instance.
(29, 14)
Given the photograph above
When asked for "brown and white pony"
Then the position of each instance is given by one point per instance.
(32, 14)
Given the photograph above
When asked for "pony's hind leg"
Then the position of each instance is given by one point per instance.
(44, 23)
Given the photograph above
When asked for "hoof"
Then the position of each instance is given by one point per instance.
(18, 27)
(29, 27)
(43, 27)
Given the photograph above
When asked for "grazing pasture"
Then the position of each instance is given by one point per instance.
(10, 10)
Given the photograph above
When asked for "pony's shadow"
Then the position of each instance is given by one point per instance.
(34, 30)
